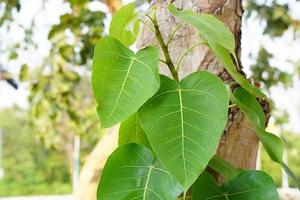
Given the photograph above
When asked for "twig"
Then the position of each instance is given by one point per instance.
(186, 52)
(164, 48)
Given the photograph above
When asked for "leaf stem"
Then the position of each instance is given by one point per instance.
(186, 52)
(147, 25)
(173, 33)
(163, 61)
(164, 47)
(232, 105)
(186, 197)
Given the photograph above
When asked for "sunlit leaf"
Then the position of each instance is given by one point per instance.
(24, 72)
(221, 41)
(248, 185)
(184, 122)
(132, 132)
(209, 27)
(125, 25)
(132, 172)
(122, 81)
(224, 56)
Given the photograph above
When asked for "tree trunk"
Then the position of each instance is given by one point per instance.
(92, 169)
(239, 144)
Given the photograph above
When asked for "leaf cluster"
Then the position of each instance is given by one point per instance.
(171, 128)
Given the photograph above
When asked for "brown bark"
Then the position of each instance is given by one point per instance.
(239, 144)
(113, 5)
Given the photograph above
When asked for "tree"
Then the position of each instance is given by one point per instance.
(231, 14)
(179, 145)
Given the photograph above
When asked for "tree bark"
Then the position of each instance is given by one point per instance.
(92, 169)
(239, 144)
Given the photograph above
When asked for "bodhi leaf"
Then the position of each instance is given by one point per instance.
(122, 81)
(254, 112)
(209, 27)
(184, 122)
(224, 56)
(248, 185)
(221, 41)
(132, 132)
(132, 172)
(125, 25)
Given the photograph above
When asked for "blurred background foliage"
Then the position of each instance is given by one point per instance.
(26, 169)
(60, 99)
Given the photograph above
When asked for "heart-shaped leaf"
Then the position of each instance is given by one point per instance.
(122, 81)
(254, 112)
(184, 122)
(131, 132)
(248, 185)
(131, 172)
(125, 25)
(221, 41)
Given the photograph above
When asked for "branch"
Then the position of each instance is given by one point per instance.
(164, 47)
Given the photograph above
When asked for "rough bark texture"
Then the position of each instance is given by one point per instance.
(239, 144)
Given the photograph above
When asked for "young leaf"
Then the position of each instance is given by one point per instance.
(125, 25)
(184, 122)
(254, 112)
(122, 81)
(221, 41)
(248, 185)
(132, 132)
(132, 172)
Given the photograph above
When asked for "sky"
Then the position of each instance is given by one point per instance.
(285, 99)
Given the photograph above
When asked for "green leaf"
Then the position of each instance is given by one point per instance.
(254, 112)
(209, 26)
(132, 172)
(224, 56)
(125, 25)
(184, 122)
(122, 81)
(221, 41)
(223, 167)
(248, 185)
(24, 73)
(132, 132)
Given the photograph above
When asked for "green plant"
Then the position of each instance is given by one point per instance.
(162, 116)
